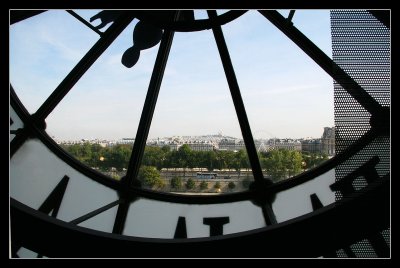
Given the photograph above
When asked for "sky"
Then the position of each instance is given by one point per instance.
(286, 94)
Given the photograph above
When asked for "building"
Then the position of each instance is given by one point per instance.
(288, 144)
(328, 141)
(311, 145)
(201, 146)
(126, 141)
(231, 145)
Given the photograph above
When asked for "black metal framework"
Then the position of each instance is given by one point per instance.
(193, 199)
(20, 15)
(85, 22)
(83, 65)
(261, 192)
(135, 160)
(305, 236)
(291, 14)
(70, 80)
(260, 183)
(187, 24)
(96, 212)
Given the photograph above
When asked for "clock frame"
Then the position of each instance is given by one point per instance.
(198, 226)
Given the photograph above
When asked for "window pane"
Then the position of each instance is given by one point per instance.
(288, 97)
(195, 143)
(97, 121)
(43, 50)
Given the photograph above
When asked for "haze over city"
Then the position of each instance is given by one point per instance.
(286, 94)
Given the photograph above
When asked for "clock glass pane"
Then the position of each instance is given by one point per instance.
(288, 97)
(195, 144)
(121, 126)
(195, 108)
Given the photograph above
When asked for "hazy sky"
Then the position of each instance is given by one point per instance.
(285, 93)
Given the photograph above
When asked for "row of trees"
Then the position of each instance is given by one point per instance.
(100, 157)
(150, 177)
(278, 164)
(177, 183)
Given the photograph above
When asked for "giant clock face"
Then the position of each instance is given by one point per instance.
(62, 208)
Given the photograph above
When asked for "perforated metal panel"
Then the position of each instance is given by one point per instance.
(361, 47)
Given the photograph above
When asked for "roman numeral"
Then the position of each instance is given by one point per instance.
(51, 204)
(53, 201)
(180, 231)
(367, 170)
(315, 202)
(345, 186)
(216, 225)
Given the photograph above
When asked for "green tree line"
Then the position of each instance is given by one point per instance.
(278, 164)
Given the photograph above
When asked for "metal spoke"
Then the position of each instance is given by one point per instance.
(83, 65)
(95, 212)
(22, 134)
(237, 99)
(259, 180)
(85, 22)
(144, 127)
(291, 14)
(149, 106)
(20, 15)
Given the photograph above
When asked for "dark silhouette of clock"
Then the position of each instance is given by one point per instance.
(61, 208)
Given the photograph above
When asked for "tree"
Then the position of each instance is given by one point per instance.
(185, 157)
(203, 185)
(190, 184)
(240, 161)
(294, 163)
(219, 159)
(274, 164)
(118, 156)
(150, 176)
(81, 151)
(176, 183)
(244, 159)
(314, 159)
(231, 185)
(278, 164)
(236, 163)
(217, 185)
(166, 149)
(155, 156)
(172, 160)
(282, 163)
(229, 157)
(96, 154)
(208, 160)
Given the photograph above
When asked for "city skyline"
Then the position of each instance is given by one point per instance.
(285, 93)
(189, 137)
